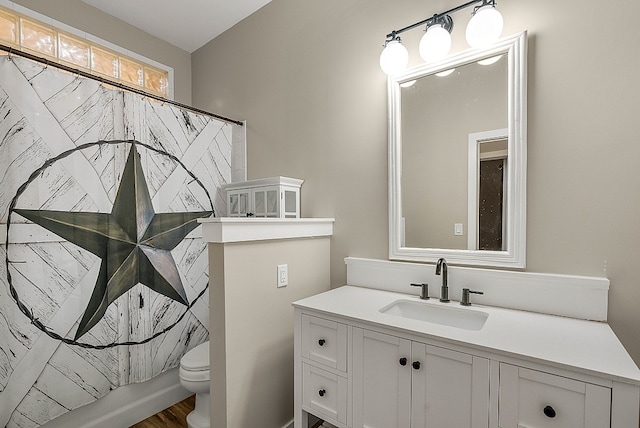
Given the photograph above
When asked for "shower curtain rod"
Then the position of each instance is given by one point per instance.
(72, 70)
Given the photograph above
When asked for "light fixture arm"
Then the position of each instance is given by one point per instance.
(484, 3)
(444, 20)
(434, 19)
(391, 37)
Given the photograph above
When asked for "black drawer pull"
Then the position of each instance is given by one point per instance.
(549, 412)
(416, 365)
(403, 361)
(322, 392)
(321, 342)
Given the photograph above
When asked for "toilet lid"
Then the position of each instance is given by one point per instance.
(197, 358)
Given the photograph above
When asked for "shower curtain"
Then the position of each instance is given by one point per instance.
(103, 280)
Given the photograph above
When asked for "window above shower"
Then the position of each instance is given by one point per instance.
(24, 30)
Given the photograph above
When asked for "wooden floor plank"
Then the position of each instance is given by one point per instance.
(173, 417)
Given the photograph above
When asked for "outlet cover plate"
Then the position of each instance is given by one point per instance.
(283, 276)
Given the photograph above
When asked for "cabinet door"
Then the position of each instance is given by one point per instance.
(266, 201)
(238, 203)
(532, 399)
(449, 388)
(381, 381)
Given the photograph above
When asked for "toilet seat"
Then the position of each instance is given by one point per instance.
(194, 366)
(195, 375)
(197, 358)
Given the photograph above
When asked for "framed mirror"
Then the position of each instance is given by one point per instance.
(458, 158)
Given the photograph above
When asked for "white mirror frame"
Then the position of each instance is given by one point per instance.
(516, 199)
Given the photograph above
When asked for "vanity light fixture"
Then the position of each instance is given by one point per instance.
(485, 26)
(395, 57)
(483, 29)
(436, 42)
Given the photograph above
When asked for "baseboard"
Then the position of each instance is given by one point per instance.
(289, 425)
(127, 405)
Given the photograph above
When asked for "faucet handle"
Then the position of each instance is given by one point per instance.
(424, 293)
(465, 296)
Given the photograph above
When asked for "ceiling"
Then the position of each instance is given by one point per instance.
(187, 24)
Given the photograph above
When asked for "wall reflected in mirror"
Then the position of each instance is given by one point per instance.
(440, 113)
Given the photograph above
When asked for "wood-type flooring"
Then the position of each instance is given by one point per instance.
(176, 417)
(173, 417)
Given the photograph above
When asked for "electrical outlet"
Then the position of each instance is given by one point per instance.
(283, 276)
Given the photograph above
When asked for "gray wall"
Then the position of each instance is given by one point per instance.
(83, 17)
(251, 326)
(305, 75)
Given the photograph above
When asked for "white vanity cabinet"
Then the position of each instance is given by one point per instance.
(275, 197)
(395, 382)
(357, 367)
(530, 398)
(399, 383)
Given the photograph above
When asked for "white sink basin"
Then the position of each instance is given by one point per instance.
(452, 316)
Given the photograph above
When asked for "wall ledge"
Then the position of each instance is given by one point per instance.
(232, 229)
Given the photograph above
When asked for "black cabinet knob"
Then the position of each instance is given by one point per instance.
(322, 392)
(549, 412)
(416, 365)
(403, 361)
(321, 342)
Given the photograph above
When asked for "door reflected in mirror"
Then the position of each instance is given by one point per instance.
(488, 178)
(491, 202)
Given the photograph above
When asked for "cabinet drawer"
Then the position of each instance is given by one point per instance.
(533, 399)
(324, 342)
(324, 393)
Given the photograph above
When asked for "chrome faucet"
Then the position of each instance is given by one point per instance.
(441, 268)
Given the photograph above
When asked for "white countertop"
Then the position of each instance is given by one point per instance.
(586, 346)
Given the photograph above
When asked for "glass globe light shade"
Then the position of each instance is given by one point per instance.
(484, 27)
(435, 44)
(394, 58)
(491, 60)
(445, 73)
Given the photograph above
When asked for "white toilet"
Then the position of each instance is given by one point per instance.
(194, 377)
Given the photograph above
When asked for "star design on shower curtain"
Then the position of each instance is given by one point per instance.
(133, 241)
